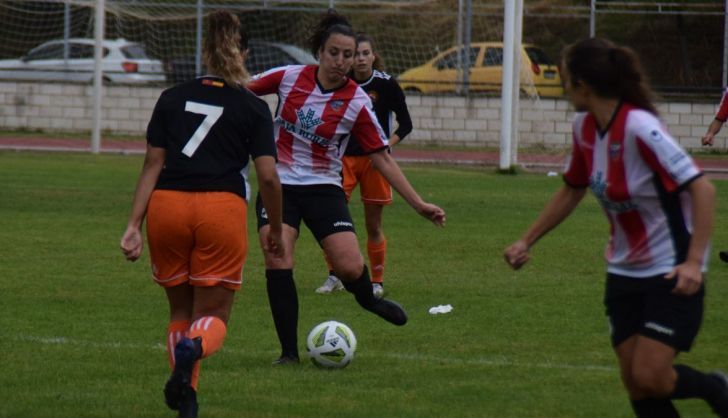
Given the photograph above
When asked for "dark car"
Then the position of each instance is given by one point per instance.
(262, 56)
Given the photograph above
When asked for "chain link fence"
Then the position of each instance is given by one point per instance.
(681, 44)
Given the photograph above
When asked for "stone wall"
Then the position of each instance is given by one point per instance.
(438, 120)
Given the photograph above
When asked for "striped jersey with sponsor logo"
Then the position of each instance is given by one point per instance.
(638, 173)
(722, 114)
(312, 125)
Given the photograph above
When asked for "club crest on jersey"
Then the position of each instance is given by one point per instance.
(598, 186)
(336, 104)
(615, 150)
(308, 120)
(374, 96)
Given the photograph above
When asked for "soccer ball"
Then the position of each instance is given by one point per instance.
(331, 344)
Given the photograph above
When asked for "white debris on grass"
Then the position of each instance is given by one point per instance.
(440, 309)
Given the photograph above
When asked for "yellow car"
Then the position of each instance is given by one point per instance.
(539, 75)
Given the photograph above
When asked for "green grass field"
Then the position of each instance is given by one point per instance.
(81, 329)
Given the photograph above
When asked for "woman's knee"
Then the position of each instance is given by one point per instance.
(651, 382)
(348, 268)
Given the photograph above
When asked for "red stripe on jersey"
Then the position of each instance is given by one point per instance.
(577, 174)
(589, 136)
(582, 155)
(331, 117)
(650, 158)
(365, 131)
(300, 91)
(267, 83)
(285, 146)
(634, 228)
(722, 114)
(617, 190)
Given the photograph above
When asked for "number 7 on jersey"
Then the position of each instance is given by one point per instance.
(212, 114)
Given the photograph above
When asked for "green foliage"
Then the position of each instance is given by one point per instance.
(82, 329)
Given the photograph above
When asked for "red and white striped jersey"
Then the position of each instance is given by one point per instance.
(313, 125)
(722, 114)
(638, 173)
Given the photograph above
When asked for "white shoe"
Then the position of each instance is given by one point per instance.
(377, 290)
(331, 284)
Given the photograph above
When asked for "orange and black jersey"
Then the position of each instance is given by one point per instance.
(210, 130)
(387, 98)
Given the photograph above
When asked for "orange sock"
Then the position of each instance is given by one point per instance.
(212, 331)
(377, 252)
(328, 262)
(195, 375)
(176, 330)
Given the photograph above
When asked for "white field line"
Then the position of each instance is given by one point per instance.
(501, 361)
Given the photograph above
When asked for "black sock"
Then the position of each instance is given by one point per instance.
(283, 301)
(692, 383)
(654, 408)
(362, 289)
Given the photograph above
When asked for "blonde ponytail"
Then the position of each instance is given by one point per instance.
(222, 49)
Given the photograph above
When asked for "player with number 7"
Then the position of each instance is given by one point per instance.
(193, 191)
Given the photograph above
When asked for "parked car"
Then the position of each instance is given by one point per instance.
(262, 56)
(539, 74)
(122, 62)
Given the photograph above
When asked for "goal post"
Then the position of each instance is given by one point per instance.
(510, 90)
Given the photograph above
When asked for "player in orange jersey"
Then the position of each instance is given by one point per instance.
(193, 191)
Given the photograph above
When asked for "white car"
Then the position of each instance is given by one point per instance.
(123, 62)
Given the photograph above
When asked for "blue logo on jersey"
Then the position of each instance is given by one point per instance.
(303, 133)
(336, 104)
(598, 185)
(309, 120)
(615, 151)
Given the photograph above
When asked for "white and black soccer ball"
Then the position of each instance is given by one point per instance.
(331, 344)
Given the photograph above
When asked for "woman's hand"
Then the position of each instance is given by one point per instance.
(434, 213)
(689, 278)
(516, 255)
(132, 243)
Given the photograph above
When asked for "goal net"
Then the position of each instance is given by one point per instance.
(426, 43)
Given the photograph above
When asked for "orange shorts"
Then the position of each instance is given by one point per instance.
(197, 237)
(374, 188)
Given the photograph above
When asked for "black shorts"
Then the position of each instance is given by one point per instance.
(321, 207)
(646, 306)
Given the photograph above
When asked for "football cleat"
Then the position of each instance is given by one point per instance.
(331, 284)
(188, 406)
(390, 311)
(285, 360)
(178, 387)
(720, 405)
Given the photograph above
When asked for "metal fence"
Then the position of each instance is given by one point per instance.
(682, 44)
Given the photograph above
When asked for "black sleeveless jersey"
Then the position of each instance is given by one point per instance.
(210, 130)
(387, 98)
